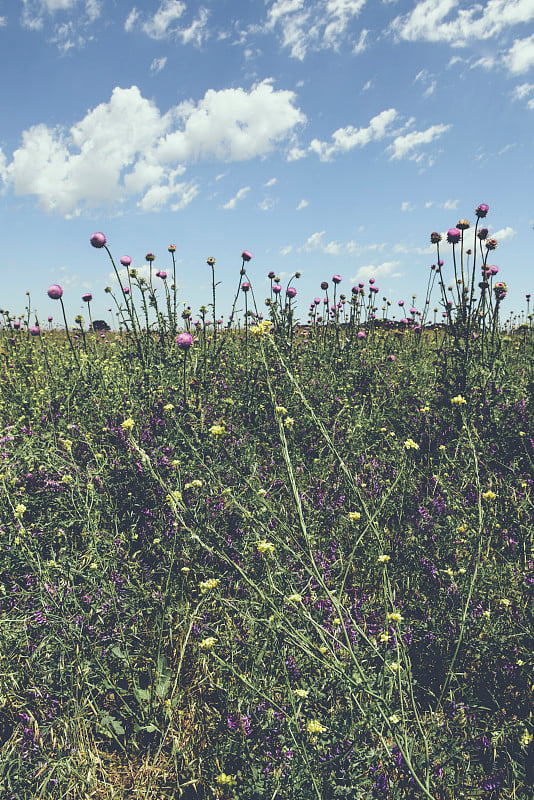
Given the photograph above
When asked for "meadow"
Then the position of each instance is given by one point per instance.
(270, 558)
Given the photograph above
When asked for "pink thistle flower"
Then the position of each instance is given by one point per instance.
(162, 274)
(271, 275)
(87, 297)
(324, 286)
(126, 261)
(35, 330)
(482, 234)
(277, 288)
(481, 210)
(336, 279)
(454, 235)
(371, 281)
(246, 256)
(98, 239)
(491, 244)
(55, 291)
(150, 257)
(171, 248)
(361, 334)
(184, 340)
(291, 291)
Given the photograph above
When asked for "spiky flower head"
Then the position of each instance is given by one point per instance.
(87, 297)
(55, 291)
(210, 261)
(246, 255)
(481, 210)
(491, 244)
(184, 341)
(435, 237)
(463, 225)
(454, 235)
(98, 239)
(171, 248)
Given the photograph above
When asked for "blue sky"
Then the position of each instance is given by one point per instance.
(325, 136)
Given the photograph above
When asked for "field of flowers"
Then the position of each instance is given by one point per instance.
(264, 559)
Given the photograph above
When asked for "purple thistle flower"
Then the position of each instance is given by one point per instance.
(454, 235)
(55, 291)
(87, 297)
(98, 239)
(481, 210)
(246, 256)
(291, 291)
(336, 279)
(184, 341)
(125, 261)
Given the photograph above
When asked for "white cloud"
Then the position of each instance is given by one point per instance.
(126, 147)
(428, 20)
(384, 270)
(407, 206)
(3, 22)
(361, 44)
(196, 32)
(131, 19)
(347, 138)
(302, 204)
(76, 16)
(315, 242)
(160, 25)
(404, 146)
(270, 182)
(158, 64)
(285, 251)
(267, 203)
(231, 204)
(312, 25)
(522, 91)
(503, 233)
(520, 57)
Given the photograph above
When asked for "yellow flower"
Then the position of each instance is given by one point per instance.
(393, 719)
(442, 447)
(289, 422)
(409, 444)
(175, 497)
(265, 547)
(196, 483)
(384, 637)
(211, 583)
(314, 727)
(459, 400)
(354, 516)
(424, 409)
(394, 666)
(294, 598)
(281, 410)
(525, 739)
(128, 424)
(217, 430)
(383, 559)
(207, 644)
(302, 693)
(168, 407)
(225, 780)
(395, 616)
(489, 495)
(20, 508)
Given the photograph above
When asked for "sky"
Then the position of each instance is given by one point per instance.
(323, 136)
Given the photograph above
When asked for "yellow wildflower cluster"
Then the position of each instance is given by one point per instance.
(128, 424)
(211, 583)
(489, 495)
(261, 329)
(217, 430)
(294, 598)
(302, 693)
(265, 547)
(409, 444)
(395, 616)
(208, 643)
(314, 727)
(383, 559)
(354, 516)
(20, 508)
(459, 400)
(174, 497)
(225, 780)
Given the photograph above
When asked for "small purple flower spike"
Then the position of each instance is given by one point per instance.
(98, 239)
(54, 292)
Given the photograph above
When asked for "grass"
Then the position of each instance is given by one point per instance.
(282, 563)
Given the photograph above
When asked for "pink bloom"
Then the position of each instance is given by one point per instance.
(454, 235)
(126, 261)
(361, 334)
(55, 292)
(98, 239)
(245, 287)
(277, 288)
(371, 281)
(87, 297)
(184, 341)
(35, 330)
(246, 256)
(336, 278)
(271, 275)
(481, 210)
(291, 291)
(162, 275)
(324, 286)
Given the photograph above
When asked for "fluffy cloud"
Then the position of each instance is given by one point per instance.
(126, 147)
(231, 204)
(406, 146)
(384, 270)
(158, 64)
(77, 14)
(347, 138)
(312, 25)
(428, 20)
(520, 57)
(163, 23)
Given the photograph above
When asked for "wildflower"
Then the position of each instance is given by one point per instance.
(314, 727)
(281, 410)
(504, 601)
(208, 643)
(525, 739)
(459, 400)
(491, 244)
(393, 719)
(168, 407)
(225, 780)
(383, 559)
(54, 291)
(442, 447)
(394, 666)
(454, 235)
(481, 210)
(395, 616)
(173, 497)
(384, 637)
(463, 225)
(128, 424)
(289, 422)
(246, 255)
(98, 239)
(184, 341)
(291, 291)
(20, 508)
(489, 495)
(302, 693)
(409, 444)
(197, 483)
(435, 237)
(217, 430)
(323, 650)
(424, 409)
(336, 278)
(294, 598)
(210, 261)
(211, 583)
(354, 516)
(150, 257)
(265, 547)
